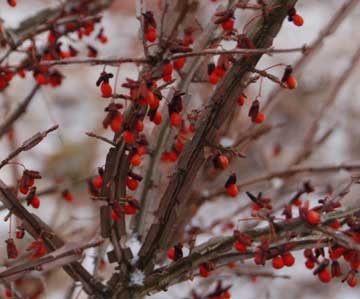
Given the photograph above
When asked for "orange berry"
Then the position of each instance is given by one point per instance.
(324, 276)
(179, 63)
(260, 117)
(224, 161)
(35, 202)
(175, 119)
(277, 262)
(97, 181)
(228, 25)
(106, 90)
(313, 217)
(129, 137)
(297, 20)
(135, 160)
(132, 184)
(291, 82)
(232, 190)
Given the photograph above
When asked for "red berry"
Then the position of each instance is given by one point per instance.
(24, 189)
(352, 281)
(151, 35)
(167, 78)
(135, 160)
(226, 295)
(228, 25)
(106, 90)
(175, 119)
(68, 196)
(141, 150)
(277, 262)
(291, 82)
(41, 79)
(171, 253)
(167, 68)
(336, 224)
(116, 123)
(129, 209)
(12, 3)
(309, 264)
(179, 63)
(52, 37)
(97, 181)
(288, 259)
(8, 293)
(35, 202)
(224, 161)
(297, 20)
(219, 71)
(260, 117)
(129, 137)
(232, 190)
(313, 217)
(241, 100)
(203, 271)
(132, 184)
(214, 78)
(241, 247)
(103, 39)
(157, 118)
(139, 126)
(114, 216)
(324, 276)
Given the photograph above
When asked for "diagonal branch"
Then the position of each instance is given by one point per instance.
(221, 104)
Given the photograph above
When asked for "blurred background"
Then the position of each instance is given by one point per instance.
(68, 156)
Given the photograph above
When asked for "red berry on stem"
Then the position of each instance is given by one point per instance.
(129, 209)
(291, 82)
(135, 160)
(171, 253)
(179, 63)
(232, 190)
(132, 184)
(114, 216)
(203, 271)
(277, 262)
(35, 202)
(224, 161)
(214, 78)
(288, 259)
(175, 119)
(297, 20)
(151, 35)
(241, 247)
(116, 123)
(139, 126)
(352, 281)
(313, 217)
(324, 276)
(97, 181)
(157, 118)
(228, 25)
(106, 90)
(241, 100)
(309, 264)
(260, 117)
(12, 3)
(129, 137)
